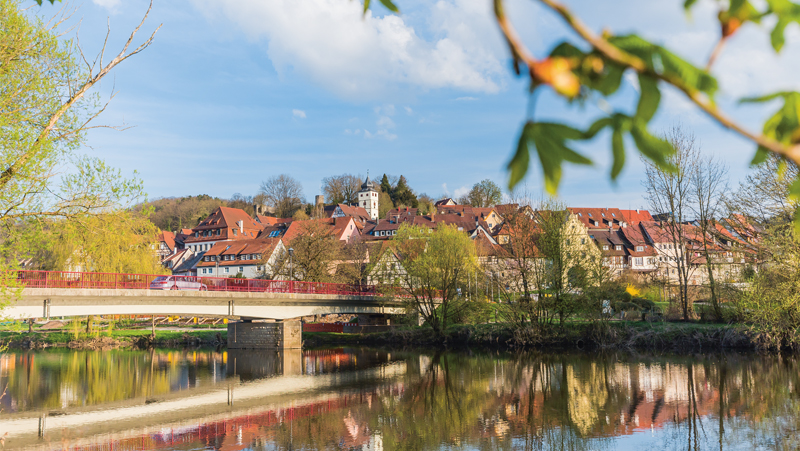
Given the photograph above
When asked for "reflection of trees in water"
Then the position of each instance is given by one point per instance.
(61, 379)
(528, 401)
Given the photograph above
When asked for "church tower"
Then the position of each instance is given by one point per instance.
(368, 198)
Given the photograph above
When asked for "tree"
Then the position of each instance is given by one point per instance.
(284, 194)
(436, 265)
(114, 242)
(669, 192)
(47, 107)
(315, 253)
(386, 187)
(709, 186)
(384, 204)
(176, 213)
(242, 202)
(341, 189)
(402, 194)
(485, 193)
(425, 204)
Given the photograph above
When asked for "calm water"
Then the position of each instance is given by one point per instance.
(351, 398)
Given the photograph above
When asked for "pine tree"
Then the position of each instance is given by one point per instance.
(386, 187)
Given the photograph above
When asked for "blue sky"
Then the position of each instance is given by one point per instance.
(234, 91)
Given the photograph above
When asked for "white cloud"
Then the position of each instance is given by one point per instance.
(331, 42)
(299, 114)
(107, 4)
(409, 111)
(385, 122)
(444, 189)
(460, 192)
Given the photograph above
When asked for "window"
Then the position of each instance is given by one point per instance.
(614, 215)
(590, 215)
(639, 248)
(235, 232)
(227, 270)
(241, 269)
(274, 233)
(605, 247)
(618, 247)
(639, 261)
(258, 268)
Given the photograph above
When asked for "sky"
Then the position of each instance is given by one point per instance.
(232, 92)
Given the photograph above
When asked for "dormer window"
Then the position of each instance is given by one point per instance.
(618, 247)
(639, 248)
(605, 247)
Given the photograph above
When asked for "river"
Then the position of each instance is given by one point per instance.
(367, 399)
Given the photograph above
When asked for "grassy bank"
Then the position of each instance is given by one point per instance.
(112, 339)
(614, 335)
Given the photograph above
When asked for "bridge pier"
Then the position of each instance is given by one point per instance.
(279, 335)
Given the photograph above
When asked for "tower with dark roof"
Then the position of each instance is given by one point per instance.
(368, 198)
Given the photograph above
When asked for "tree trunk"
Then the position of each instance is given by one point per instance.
(89, 323)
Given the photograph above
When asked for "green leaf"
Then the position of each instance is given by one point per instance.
(776, 36)
(549, 140)
(784, 125)
(688, 4)
(606, 81)
(596, 127)
(656, 149)
(617, 146)
(661, 61)
(761, 156)
(649, 97)
(390, 6)
(366, 6)
(518, 166)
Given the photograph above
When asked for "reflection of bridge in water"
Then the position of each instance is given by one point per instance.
(263, 389)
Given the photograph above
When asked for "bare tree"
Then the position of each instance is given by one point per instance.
(709, 185)
(341, 189)
(669, 193)
(284, 194)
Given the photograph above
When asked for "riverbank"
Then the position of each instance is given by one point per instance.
(113, 339)
(658, 336)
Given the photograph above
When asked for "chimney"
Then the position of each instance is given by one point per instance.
(433, 217)
(241, 226)
(637, 211)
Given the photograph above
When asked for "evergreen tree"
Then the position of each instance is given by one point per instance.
(386, 187)
(402, 194)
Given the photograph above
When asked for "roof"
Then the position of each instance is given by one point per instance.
(271, 220)
(352, 211)
(368, 185)
(227, 218)
(337, 226)
(636, 216)
(168, 238)
(241, 247)
(599, 218)
(445, 201)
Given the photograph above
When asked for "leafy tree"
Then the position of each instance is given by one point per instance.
(47, 106)
(341, 189)
(284, 194)
(485, 193)
(315, 250)
(436, 264)
(384, 204)
(115, 242)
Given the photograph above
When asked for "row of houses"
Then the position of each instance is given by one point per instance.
(230, 242)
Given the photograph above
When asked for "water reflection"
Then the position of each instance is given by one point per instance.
(372, 400)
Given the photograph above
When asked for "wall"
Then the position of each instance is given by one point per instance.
(282, 335)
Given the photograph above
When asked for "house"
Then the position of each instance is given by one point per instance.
(343, 229)
(343, 210)
(223, 224)
(444, 202)
(489, 215)
(183, 263)
(251, 258)
(599, 218)
(165, 244)
(633, 217)
(642, 256)
(181, 236)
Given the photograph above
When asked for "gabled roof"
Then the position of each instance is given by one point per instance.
(263, 246)
(353, 211)
(227, 217)
(338, 227)
(271, 220)
(445, 201)
(168, 238)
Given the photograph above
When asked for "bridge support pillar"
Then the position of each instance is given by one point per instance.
(280, 335)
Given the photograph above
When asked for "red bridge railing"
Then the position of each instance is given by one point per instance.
(64, 279)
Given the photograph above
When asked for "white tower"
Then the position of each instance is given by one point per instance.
(368, 198)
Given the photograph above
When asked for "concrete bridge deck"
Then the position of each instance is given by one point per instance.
(53, 302)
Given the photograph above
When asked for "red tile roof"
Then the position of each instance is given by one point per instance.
(599, 218)
(636, 216)
(168, 238)
(227, 219)
(263, 246)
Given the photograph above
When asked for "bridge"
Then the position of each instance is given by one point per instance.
(47, 294)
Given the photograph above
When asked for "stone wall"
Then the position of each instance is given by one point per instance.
(251, 335)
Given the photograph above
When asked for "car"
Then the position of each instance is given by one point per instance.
(177, 283)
